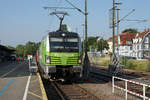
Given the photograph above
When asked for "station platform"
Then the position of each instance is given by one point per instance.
(17, 83)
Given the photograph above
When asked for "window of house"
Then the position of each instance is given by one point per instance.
(131, 48)
(137, 46)
(146, 46)
(146, 40)
(129, 42)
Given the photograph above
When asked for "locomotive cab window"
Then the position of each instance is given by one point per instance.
(72, 39)
(58, 44)
(56, 39)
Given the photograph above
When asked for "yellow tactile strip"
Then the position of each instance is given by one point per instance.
(35, 95)
(42, 88)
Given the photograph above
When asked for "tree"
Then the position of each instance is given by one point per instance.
(20, 50)
(31, 48)
(91, 42)
(10, 47)
(102, 45)
(130, 30)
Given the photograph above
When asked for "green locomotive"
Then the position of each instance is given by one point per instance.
(60, 55)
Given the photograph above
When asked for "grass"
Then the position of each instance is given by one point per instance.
(104, 61)
(141, 65)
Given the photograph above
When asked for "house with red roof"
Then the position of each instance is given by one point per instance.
(135, 45)
(125, 44)
(141, 45)
(110, 43)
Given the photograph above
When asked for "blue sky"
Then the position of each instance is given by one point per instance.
(26, 20)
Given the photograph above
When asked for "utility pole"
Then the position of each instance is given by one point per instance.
(86, 59)
(114, 24)
(113, 68)
(83, 37)
(86, 65)
(86, 26)
(118, 3)
(113, 29)
(118, 31)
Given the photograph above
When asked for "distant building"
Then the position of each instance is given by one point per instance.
(141, 45)
(5, 53)
(125, 44)
(110, 43)
(135, 45)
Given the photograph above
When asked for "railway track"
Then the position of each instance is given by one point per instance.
(58, 90)
(139, 77)
(100, 77)
(72, 91)
(102, 74)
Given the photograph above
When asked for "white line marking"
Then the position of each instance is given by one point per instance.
(27, 87)
(9, 72)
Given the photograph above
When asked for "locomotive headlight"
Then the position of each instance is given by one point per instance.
(63, 34)
(47, 59)
(79, 61)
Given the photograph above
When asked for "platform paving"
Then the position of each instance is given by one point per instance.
(14, 79)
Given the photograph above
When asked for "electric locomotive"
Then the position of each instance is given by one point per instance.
(60, 55)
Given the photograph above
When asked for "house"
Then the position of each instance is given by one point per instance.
(135, 45)
(110, 43)
(125, 44)
(141, 45)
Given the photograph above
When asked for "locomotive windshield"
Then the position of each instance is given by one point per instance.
(64, 44)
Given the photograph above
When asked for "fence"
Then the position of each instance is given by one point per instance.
(126, 87)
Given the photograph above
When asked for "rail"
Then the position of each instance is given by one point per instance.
(126, 88)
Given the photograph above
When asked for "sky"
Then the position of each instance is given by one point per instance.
(26, 20)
